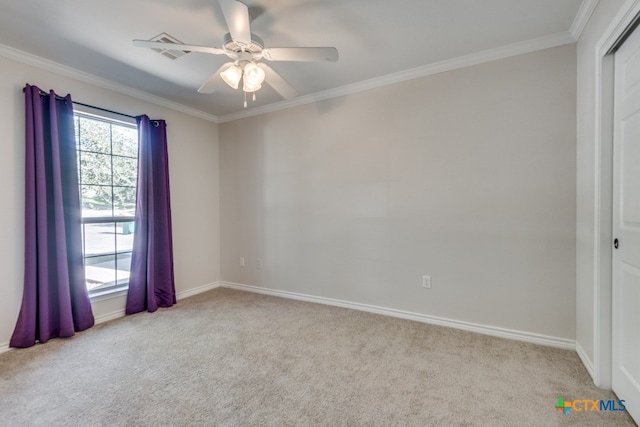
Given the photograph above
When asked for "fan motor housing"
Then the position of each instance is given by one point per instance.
(255, 47)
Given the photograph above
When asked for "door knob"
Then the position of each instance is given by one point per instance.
(615, 243)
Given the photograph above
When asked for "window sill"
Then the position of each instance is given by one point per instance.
(108, 294)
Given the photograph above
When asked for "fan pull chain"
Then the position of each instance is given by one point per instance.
(245, 100)
(254, 97)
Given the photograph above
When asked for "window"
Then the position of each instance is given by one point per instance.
(107, 175)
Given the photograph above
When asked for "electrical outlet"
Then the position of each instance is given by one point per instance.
(259, 264)
(426, 282)
(241, 261)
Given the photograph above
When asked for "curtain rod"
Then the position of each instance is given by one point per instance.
(104, 109)
(42, 93)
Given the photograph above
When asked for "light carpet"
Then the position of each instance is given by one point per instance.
(233, 358)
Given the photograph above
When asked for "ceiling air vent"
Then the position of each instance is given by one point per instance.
(169, 53)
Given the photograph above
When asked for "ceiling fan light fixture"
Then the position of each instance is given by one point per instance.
(232, 76)
(253, 77)
(244, 49)
(249, 88)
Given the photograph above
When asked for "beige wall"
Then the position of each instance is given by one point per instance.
(468, 176)
(193, 168)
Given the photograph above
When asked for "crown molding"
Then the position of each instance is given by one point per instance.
(528, 46)
(582, 17)
(63, 70)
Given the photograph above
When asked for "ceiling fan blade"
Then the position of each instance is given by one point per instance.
(178, 46)
(329, 54)
(278, 83)
(215, 81)
(236, 15)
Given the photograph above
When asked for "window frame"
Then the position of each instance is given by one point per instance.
(118, 288)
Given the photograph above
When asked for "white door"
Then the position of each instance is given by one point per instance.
(626, 226)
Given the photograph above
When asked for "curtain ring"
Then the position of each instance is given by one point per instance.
(156, 123)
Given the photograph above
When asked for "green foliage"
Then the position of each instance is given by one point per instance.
(108, 165)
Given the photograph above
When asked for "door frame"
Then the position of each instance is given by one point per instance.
(601, 366)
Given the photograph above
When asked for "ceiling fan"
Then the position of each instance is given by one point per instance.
(246, 51)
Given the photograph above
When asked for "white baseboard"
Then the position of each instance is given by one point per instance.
(180, 295)
(195, 291)
(434, 320)
(121, 312)
(109, 316)
(588, 364)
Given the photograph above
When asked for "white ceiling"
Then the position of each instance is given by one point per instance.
(374, 38)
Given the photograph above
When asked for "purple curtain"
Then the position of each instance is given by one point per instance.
(55, 301)
(151, 281)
